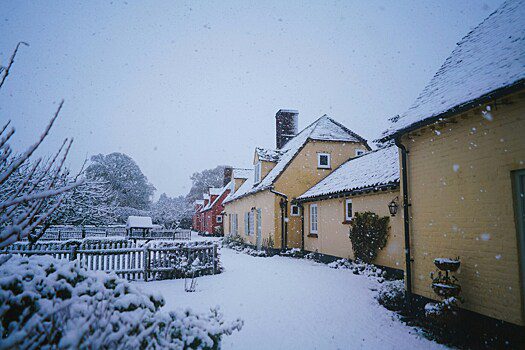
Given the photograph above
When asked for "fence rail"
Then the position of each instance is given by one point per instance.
(130, 260)
(78, 232)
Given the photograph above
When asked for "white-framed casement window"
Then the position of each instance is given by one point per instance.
(246, 223)
(294, 210)
(257, 173)
(323, 161)
(348, 210)
(219, 219)
(314, 217)
(359, 152)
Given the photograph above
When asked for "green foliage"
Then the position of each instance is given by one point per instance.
(368, 235)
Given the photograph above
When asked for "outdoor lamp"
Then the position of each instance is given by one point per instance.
(392, 207)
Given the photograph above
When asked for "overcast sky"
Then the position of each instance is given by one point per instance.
(181, 87)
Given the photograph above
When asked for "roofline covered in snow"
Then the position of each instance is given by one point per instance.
(358, 191)
(458, 109)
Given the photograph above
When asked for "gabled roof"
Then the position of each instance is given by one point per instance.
(219, 195)
(268, 155)
(214, 191)
(371, 171)
(323, 129)
(487, 63)
(239, 173)
(242, 190)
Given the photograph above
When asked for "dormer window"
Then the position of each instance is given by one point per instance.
(359, 152)
(323, 161)
(257, 173)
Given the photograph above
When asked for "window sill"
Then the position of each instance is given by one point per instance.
(324, 167)
(314, 235)
(346, 222)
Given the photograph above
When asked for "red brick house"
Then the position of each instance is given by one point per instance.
(207, 218)
(213, 217)
(197, 219)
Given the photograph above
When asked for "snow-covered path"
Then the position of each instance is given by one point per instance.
(293, 304)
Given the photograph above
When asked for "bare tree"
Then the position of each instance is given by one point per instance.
(26, 187)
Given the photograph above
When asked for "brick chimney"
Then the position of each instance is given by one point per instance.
(227, 175)
(286, 126)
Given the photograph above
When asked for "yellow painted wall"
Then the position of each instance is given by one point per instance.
(333, 238)
(264, 200)
(302, 173)
(462, 205)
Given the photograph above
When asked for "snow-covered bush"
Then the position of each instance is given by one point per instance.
(49, 303)
(368, 234)
(391, 295)
(359, 268)
(294, 253)
(444, 311)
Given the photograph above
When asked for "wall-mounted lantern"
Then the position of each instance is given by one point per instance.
(392, 207)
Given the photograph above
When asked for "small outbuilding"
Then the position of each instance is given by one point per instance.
(139, 223)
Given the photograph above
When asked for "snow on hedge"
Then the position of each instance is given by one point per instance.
(53, 303)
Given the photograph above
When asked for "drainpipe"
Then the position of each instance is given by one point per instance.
(301, 209)
(284, 224)
(406, 219)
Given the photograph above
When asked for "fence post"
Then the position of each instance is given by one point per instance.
(146, 262)
(83, 232)
(73, 253)
(214, 258)
(106, 232)
(59, 235)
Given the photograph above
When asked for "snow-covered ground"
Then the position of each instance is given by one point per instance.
(288, 303)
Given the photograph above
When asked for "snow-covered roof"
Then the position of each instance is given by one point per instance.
(241, 191)
(219, 195)
(199, 202)
(239, 173)
(371, 170)
(268, 155)
(139, 222)
(214, 191)
(323, 129)
(490, 58)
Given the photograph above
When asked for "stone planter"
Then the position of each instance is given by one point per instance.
(446, 290)
(445, 264)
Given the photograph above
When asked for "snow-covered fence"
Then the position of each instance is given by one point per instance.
(63, 233)
(182, 235)
(130, 259)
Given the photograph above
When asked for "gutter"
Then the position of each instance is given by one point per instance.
(385, 187)
(484, 99)
(284, 217)
(406, 219)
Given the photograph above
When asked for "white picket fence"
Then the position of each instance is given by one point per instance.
(130, 260)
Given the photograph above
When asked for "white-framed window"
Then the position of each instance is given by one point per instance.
(323, 161)
(294, 210)
(246, 223)
(348, 210)
(313, 218)
(219, 219)
(359, 152)
(257, 173)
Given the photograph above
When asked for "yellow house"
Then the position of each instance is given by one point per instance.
(366, 183)
(462, 150)
(259, 210)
